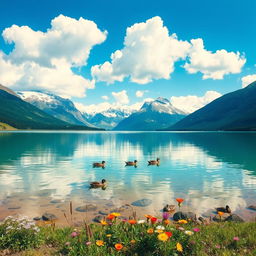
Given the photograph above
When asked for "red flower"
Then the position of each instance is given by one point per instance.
(153, 220)
(169, 234)
(110, 217)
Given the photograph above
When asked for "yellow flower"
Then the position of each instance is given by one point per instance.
(103, 222)
(132, 241)
(179, 247)
(159, 231)
(220, 213)
(108, 235)
(116, 214)
(162, 237)
(182, 221)
(100, 243)
(150, 231)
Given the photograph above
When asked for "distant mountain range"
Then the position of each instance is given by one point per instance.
(20, 114)
(109, 118)
(154, 115)
(235, 111)
(63, 109)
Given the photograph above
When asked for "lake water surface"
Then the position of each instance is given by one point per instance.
(207, 169)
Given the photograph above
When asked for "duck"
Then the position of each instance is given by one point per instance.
(102, 164)
(154, 162)
(97, 184)
(224, 209)
(130, 163)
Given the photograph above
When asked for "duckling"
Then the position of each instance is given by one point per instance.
(102, 164)
(169, 208)
(154, 162)
(130, 163)
(224, 209)
(97, 184)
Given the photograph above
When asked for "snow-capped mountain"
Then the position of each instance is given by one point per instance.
(56, 106)
(154, 115)
(161, 105)
(109, 118)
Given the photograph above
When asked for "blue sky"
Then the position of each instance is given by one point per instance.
(228, 25)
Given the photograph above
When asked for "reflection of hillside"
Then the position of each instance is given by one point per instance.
(16, 145)
(232, 148)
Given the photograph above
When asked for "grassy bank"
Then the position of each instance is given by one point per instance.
(115, 236)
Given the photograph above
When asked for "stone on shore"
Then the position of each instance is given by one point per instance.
(234, 218)
(87, 208)
(142, 202)
(98, 218)
(49, 217)
(184, 216)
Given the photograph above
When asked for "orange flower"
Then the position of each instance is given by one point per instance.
(110, 216)
(148, 216)
(132, 222)
(132, 241)
(150, 231)
(166, 222)
(118, 247)
(220, 213)
(100, 243)
(153, 220)
(179, 200)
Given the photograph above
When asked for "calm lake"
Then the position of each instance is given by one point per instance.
(207, 169)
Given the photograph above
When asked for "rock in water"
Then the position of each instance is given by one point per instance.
(184, 216)
(48, 216)
(234, 218)
(87, 208)
(55, 201)
(142, 203)
(252, 207)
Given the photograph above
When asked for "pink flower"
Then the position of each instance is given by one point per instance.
(74, 234)
(67, 243)
(165, 215)
(236, 238)
(181, 228)
(217, 246)
(88, 243)
(196, 229)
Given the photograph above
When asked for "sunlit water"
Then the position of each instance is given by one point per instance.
(207, 169)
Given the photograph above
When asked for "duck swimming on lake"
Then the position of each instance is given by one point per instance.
(102, 164)
(97, 184)
(130, 163)
(154, 162)
(224, 209)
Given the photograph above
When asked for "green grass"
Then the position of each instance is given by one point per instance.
(214, 239)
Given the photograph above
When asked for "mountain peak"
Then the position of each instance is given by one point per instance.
(161, 105)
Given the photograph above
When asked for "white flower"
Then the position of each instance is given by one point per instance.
(141, 221)
(159, 227)
(188, 232)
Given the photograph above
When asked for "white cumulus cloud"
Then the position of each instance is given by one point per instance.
(121, 97)
(246, 80)
(105, 97)
(44, 60)
(149, 53)
(212, 65)
(191, 103)
(140, 94)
